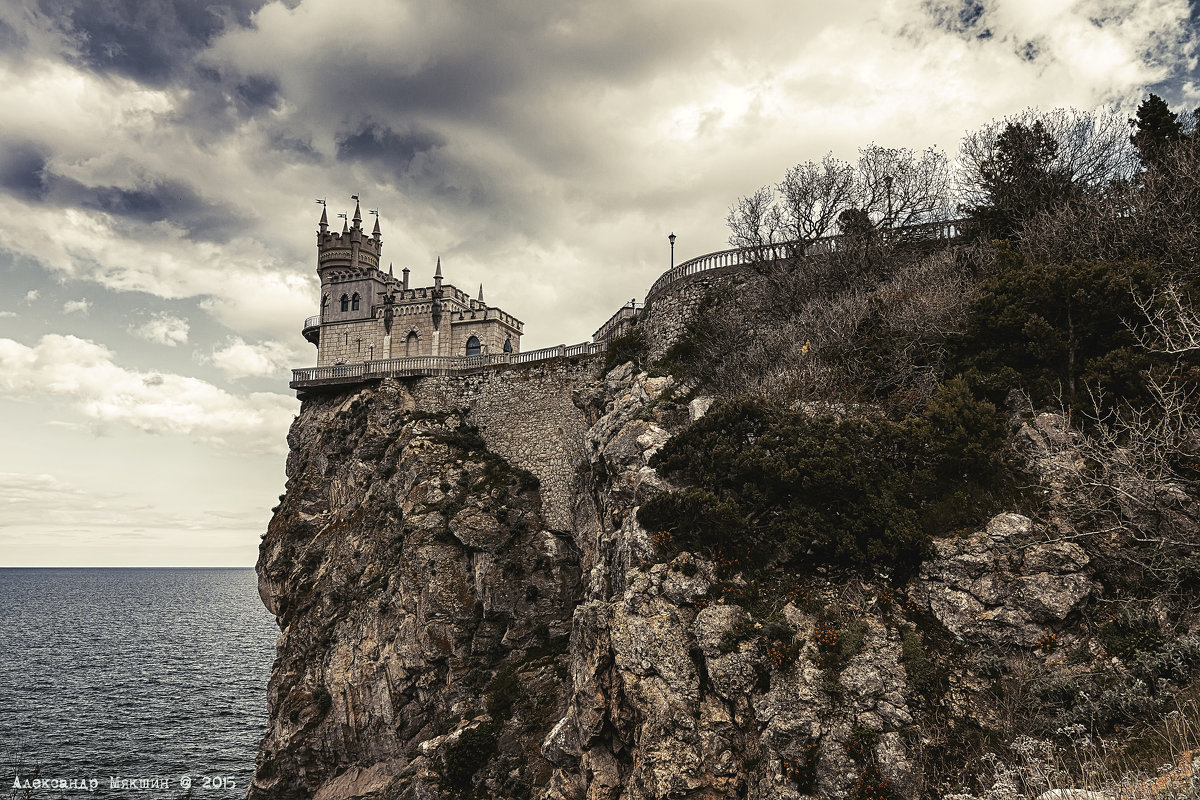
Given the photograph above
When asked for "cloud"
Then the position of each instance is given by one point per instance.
(40, 501)
(84, 375)
(31, 296)
(164, 329)
(8, 313)
(534, 145)
(150, 40)
(237, 359)
(82, 307)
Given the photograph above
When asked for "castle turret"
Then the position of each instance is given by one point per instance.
(367, 314)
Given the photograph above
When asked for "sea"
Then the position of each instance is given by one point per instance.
(131, 682)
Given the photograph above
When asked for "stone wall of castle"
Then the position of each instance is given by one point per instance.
(527, 415)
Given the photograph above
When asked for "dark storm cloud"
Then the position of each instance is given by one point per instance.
(11, 40)
(151, 41)
(391, 149)
(167, 200)
(23, 171)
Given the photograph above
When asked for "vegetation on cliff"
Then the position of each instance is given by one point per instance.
(897, 392)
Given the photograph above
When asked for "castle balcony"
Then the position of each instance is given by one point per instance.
(312, 329)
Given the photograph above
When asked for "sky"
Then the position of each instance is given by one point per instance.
(159, 163)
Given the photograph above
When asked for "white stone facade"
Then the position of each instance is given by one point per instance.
(367, 314)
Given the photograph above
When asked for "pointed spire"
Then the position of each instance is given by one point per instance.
(481, 292)
(390, 275)
(324, 224)
(377, 233)
(345, 225)
(437, 273)
(357, 213)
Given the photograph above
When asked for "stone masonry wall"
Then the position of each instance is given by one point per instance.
(528, 416)
(350, 342)
(667, 314)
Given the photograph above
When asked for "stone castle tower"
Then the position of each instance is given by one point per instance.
(370, 315)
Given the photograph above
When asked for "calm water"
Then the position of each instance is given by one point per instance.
(132, 673)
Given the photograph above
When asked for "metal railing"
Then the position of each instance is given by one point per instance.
(432, 366)
(743, 256)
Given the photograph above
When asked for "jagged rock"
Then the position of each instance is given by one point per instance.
(699, 407)
(990, 586)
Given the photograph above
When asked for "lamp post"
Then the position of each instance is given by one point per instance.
(672, 238)
(887, 182)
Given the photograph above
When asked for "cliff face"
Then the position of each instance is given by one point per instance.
(424, 608)
(441, 640)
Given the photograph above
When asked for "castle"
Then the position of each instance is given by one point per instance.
(369, 315)
(373, 326)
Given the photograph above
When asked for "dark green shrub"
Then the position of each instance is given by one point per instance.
(631, 346)
(926, 677)
(777, 486)
(1056, 331)
(1131, 632)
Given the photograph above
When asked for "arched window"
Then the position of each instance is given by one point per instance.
(324, 304)
(411, 344)
(354, 302)
(473, 346)
(507, 345)
(345, 303)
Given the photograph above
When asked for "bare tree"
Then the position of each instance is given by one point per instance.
(798, 210)
(898, 187)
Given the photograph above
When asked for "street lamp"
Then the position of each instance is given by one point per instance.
(672, 238)
(887, 182)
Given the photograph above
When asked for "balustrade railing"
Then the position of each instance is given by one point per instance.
(312, 322)
(432, 366)
(741, 256)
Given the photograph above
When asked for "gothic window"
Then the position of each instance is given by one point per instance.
(345, 303)
(354, 302)
(473, 346)
(507, 345)
(324, 305)
(410, 344)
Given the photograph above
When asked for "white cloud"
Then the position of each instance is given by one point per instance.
(164, 329)
(8, 313)
(42, 501)
(81, 307)
(239, 359)
(84, 374)
(31, 296)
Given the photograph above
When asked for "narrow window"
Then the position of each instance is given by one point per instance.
(507, 345)
(410, 344)
(345, 303)
(473, 346)
(354, 302)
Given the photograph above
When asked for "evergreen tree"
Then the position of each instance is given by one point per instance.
(1155, 126)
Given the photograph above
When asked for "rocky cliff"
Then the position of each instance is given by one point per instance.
(440, 639)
